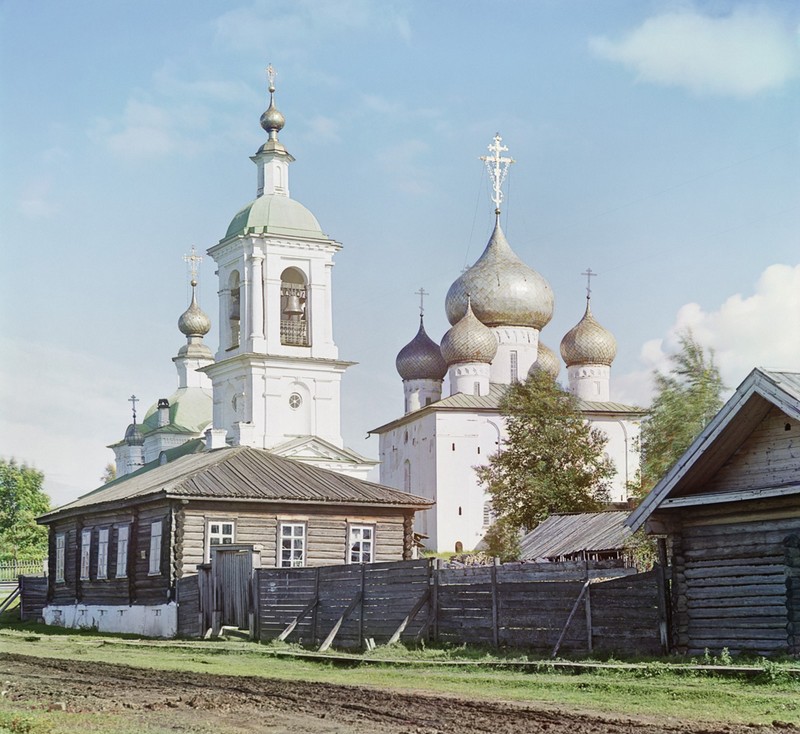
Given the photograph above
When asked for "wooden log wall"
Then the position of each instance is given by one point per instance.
(733, 579)
(515, 605)
(33, 597)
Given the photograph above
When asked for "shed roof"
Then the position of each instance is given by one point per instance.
(565, 535)
(728, 430)
(241, 473)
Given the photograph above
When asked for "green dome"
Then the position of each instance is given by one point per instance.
(190, 411)
(277, 215)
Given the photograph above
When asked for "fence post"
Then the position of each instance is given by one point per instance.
(361, 609)
(437, 567)
(664, 596)
(588, 607)
(495, 622)
(316, 608)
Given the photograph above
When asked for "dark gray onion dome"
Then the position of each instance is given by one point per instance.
(469, 340)
(193, 322)
(503, 289)
(421, 358)
(546, 360)
(133, 436)
(588, 342)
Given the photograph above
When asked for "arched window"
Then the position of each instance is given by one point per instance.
(294, 308)
(233, 310)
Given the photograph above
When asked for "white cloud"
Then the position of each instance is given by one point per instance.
(144, 130)
(741, 54)
(403, 166)
(758, 330)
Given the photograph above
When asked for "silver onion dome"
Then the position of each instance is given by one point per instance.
(133, 436)
(193, 321)
(503, 289)
(588, 342)
(469, 340)
(547, 361)
(421, 358)
(272, 120)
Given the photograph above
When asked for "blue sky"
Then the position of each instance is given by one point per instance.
(655, 142)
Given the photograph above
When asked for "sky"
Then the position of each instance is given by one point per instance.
(655, 142)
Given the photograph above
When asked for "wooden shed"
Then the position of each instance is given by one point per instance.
(118, 553)
(730, 511)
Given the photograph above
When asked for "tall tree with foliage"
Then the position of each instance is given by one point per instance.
(687, 398)
(552, 461)
(21, 501)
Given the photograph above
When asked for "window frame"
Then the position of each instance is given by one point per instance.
(122, 551)
(102, 553)
(86, 554)
(360, 526)
(219, 521)
(154, 559)
(303, 538)
(61, 557)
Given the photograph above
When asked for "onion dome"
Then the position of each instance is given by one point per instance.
(193, 321)
(547, 361)
(588, 342)
(272, 120)
(133, 436)
(503, 289)
(469, 340)
(421, 358)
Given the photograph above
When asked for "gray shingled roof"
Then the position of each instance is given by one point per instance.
(566, 535)
(243, 473)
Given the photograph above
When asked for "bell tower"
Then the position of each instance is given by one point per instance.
(277, 374)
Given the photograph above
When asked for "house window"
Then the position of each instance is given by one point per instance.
(219, 533)
(102, 553)
(60, 557)
(86, 548)
(293, 545)
(514, 367)
(122, 551)
(362, 543)
(155, 547)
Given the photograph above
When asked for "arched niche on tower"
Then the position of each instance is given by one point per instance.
(234, 309)
(294, 308)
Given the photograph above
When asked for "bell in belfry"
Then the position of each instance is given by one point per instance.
(293, 309)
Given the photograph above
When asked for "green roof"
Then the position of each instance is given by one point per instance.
(277, 215)
(190, 410)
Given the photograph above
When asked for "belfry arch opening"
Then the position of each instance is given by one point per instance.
(233, 310)
(294, 308)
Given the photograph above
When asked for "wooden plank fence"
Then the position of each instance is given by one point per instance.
(547, 608)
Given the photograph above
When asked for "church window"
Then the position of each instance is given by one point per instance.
(86, 549)
(295, 400)
(219, 533)
(453, 447)
(428, 400)
(292, 545)
(514, 367)
(405, 437)
(122, 551)
(61, 540)
(234, 310)
(362, 541)
(459, 547)
(459, 511)
(294, 308)
(156, 528)
(476, 388)
(102, 553)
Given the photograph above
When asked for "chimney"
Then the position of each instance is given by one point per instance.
(163, 412)
(215, 439)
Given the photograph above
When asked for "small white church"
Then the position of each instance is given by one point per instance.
(497, 309)
(274, 382)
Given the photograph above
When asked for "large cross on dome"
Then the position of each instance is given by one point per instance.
(194, 260)
(421, 293)
(133, 400)
(497, 165)
(589, 273)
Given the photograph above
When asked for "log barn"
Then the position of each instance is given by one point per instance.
(116, 555)
(729, 511)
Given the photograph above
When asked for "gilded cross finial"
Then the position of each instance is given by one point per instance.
(497, 166)
(421, 293)
(589, 273)
(133, 400)
(194, 260)
(271, 74)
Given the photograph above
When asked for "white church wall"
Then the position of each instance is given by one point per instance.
(517, 348)
(623, 439)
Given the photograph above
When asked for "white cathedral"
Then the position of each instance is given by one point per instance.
(274, 382)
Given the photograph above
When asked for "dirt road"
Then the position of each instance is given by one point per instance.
(196, 702)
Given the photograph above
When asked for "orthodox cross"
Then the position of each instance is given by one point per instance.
(421, 293)
(497, 165)
(193, 260)
(271, 74)
(589, 273)
(133, 400)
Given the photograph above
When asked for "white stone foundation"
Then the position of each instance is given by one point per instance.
(150, 621)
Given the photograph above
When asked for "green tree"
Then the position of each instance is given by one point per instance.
(552, 460)
(687, 398)
(109, 473)
(21, 501)
(502, 541)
